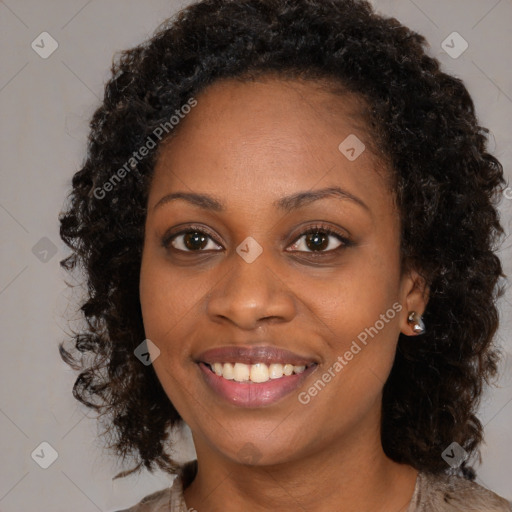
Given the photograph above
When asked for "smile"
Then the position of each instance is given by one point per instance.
(253, 376)
(257, 373)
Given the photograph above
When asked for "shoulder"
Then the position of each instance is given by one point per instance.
(157, 501)
(449, 493)
(170, 499)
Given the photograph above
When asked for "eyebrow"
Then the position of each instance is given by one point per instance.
(286, 204)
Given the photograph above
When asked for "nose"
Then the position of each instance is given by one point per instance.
(250, 294)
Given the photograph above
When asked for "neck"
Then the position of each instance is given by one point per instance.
(354, 472)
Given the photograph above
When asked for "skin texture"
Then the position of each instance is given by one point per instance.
(249, 144)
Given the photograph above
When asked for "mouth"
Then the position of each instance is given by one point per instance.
(254, 376)
(256, 373)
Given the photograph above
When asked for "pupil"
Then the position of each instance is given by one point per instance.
(193, 238)
(317, 240)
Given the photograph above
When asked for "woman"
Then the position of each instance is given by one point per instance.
(287, 218)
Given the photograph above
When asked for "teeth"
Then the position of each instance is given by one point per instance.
(258, 372)
(275, 371)
(288, 369)
(241, 372)
(228, 371)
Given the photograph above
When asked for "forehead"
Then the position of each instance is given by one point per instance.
(268, 137)
(270, 105)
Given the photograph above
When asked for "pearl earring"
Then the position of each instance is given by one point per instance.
(416, 322)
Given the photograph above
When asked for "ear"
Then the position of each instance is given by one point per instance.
(414, 296)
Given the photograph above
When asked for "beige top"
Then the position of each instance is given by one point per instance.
(432, 493)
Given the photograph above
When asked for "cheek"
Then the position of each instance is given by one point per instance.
(362, 309)
(154, 300)
(357, 297)
(161, 312)
(164, 307)
(361, 353)
(168, 299)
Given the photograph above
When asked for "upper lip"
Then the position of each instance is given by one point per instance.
(253, 355)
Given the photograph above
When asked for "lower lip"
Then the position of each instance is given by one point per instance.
(253, 394)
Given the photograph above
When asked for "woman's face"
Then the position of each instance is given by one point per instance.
(239, 282)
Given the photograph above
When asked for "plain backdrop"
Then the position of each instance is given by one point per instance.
(45, 106)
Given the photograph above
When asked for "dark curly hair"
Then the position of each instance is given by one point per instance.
(445, 183)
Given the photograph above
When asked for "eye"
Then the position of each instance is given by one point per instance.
(190, 240)
(319, 239)
(316, 239)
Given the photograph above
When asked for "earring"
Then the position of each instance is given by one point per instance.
(416, 322)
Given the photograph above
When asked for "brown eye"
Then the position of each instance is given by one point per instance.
(317, 241)
(195, 240)
(190, 241)
(320, 240)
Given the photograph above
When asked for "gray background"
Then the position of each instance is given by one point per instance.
(45, 106)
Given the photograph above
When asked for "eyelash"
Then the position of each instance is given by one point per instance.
(318, 228)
